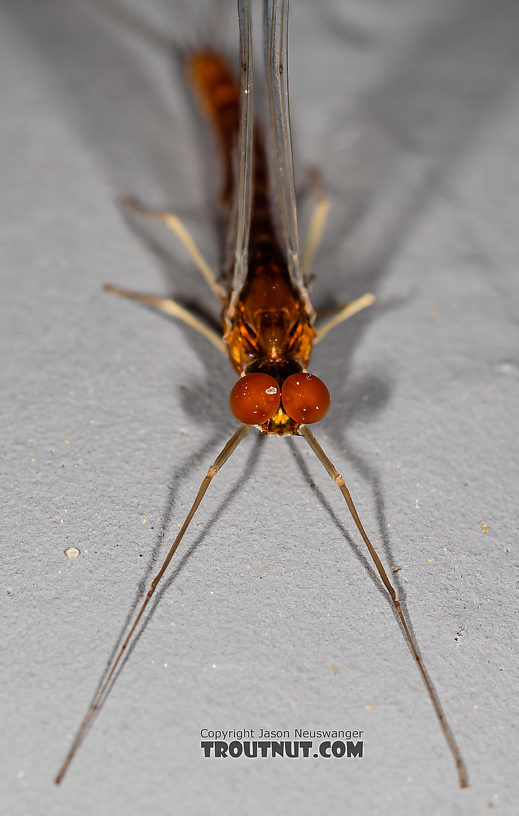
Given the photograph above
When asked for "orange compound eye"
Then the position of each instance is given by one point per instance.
(305, 398)
(255, 398)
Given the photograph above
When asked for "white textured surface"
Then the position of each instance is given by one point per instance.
(110, 415)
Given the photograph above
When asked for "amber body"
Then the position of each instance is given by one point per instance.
(269, 329)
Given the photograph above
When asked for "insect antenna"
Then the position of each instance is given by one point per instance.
(411, 642)
(88, 719)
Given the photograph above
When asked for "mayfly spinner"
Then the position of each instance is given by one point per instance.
(268, 320)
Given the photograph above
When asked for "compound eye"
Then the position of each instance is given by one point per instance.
(255, 398)
(305, 397)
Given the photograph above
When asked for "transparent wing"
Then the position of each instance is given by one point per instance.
(275, 21)
(240, 220)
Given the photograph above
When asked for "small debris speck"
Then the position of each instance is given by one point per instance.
(72, 552)
(335, 670)
(484, 528)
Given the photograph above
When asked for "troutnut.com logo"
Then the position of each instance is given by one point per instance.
(264, 742)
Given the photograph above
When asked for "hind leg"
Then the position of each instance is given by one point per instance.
(183, 234)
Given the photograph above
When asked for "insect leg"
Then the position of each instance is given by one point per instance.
(171, 307)
(344, 312)
(317, 225)
(339, 481)
(220, 460)
(183, 234)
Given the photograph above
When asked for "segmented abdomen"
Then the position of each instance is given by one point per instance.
(218, 92)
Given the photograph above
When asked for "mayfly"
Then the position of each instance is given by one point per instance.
(268, 320)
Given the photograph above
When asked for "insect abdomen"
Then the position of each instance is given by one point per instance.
(218, 92)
